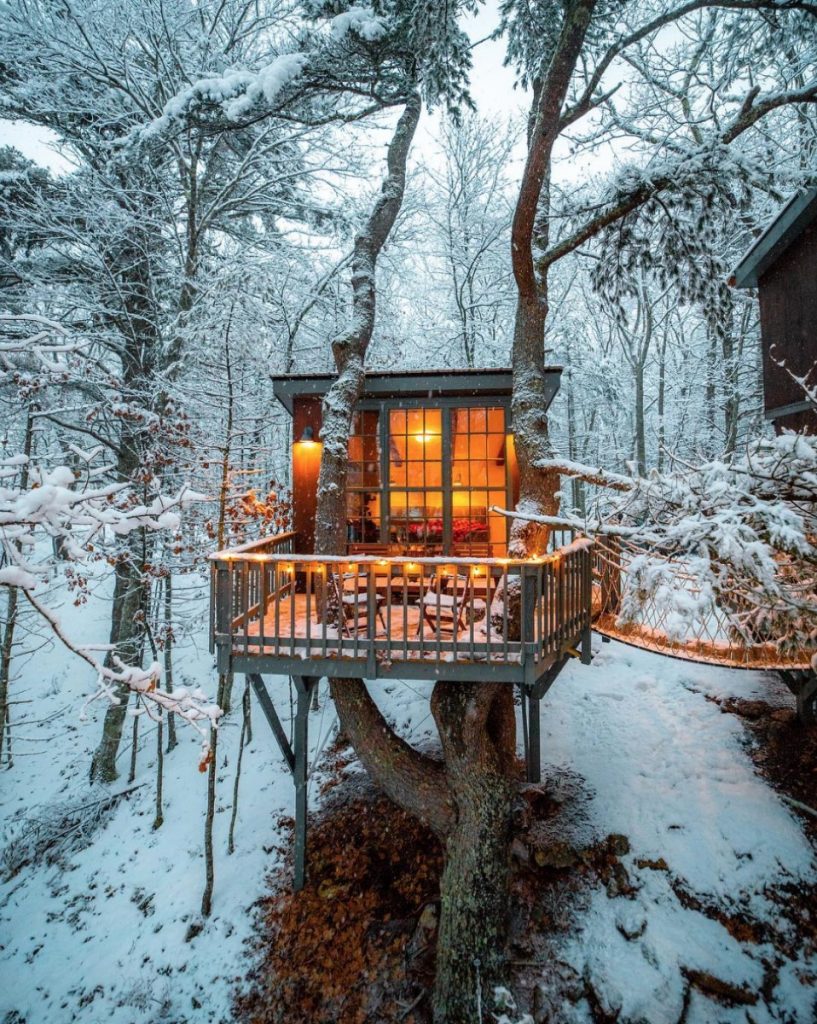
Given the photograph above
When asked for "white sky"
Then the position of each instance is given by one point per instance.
(492, 87)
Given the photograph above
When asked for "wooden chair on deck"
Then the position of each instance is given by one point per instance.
(447, 610)
(353, 601)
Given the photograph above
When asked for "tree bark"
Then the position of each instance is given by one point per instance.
(476, 723)
(139, 361)
(349, 348)
(12, 602)
(537, 488)
(468, 802)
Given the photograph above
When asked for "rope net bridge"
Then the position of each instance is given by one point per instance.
(678, 619)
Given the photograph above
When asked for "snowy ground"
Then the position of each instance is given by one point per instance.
(103, 937)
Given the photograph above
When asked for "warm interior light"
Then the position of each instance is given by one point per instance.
(423, 438)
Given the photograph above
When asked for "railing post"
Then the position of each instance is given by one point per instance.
(587, 605)
(222, 611)
(528, 609)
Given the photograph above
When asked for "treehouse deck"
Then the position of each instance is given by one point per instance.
(398, 617)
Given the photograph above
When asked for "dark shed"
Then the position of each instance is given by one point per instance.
(782, 265)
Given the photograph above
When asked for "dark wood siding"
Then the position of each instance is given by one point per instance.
(306, 464)
(788, 317)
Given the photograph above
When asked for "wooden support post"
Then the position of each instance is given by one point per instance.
(304, 686)
(523, 691)
(534, 750)
(272, 718)
(296, 759)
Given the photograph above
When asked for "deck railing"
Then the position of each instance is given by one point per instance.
(380, 611)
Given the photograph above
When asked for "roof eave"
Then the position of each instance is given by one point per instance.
(787, 226)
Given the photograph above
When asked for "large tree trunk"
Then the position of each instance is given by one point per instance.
(139, 362)
(467, 802)
(477, 727)
(126, 634)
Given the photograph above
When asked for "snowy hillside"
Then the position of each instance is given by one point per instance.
(111, 930)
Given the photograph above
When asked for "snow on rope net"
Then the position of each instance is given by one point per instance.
(657, 604)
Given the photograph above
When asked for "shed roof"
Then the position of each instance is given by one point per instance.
(768, 247)
(411, 383)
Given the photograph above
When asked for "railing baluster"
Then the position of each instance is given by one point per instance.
(438, 631)
(471, 616)
(323, 607)
(388, 613)
(263, 598)
(245, 594)
(421, 606)
(308, 612)
(276, 589)
(292, 622)
(404, 586)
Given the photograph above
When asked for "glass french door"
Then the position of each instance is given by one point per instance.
(423, 481)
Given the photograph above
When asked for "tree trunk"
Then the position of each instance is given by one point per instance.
(128, 601)
(141, 345)
(476, 723)
(662, 374)
(537, 486)
(349, 348)
(12, 602)
(168, 657)
(640, 436)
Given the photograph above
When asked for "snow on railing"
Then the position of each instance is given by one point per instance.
(399, 608)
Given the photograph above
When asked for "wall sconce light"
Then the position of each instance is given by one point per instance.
(308, 435)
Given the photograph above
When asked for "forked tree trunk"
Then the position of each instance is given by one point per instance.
(467, 801)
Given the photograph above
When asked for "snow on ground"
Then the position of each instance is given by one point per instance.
(668, 769)
(104, 938)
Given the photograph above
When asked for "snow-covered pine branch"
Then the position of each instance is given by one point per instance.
(741, 535)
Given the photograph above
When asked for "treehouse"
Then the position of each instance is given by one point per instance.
(426, 588)
(431, 463)
(782, 265)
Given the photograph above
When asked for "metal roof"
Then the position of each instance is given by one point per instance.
(405, 383)
(768, 247)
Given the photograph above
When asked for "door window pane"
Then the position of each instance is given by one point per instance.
(478, 481)
(363, 498)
